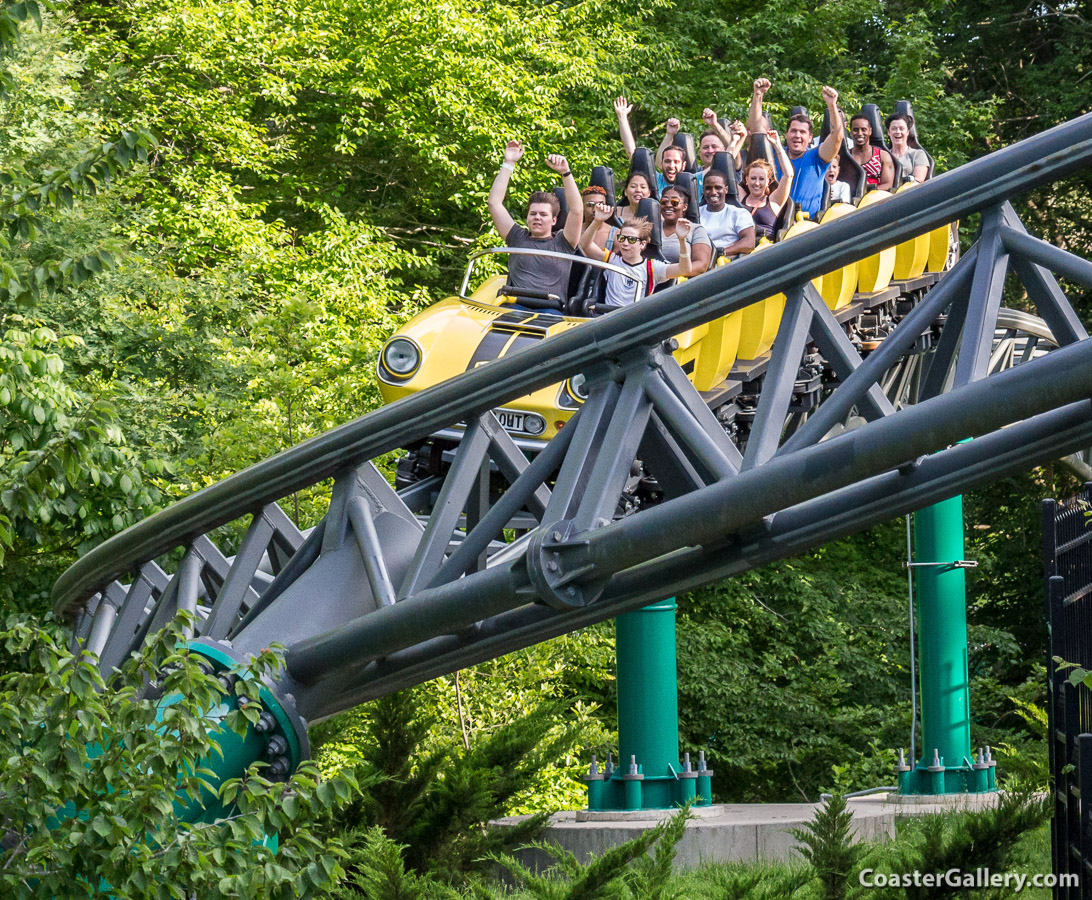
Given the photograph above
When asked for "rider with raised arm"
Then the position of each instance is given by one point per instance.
(718, 139)
(630, 243)
(538, 273)
(670, 159)
(809, 163)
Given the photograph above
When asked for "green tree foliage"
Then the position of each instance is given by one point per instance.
(784, 672)
(435, 795)
(95, 783)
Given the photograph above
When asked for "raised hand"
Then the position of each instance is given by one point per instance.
(738, 129)
(708, 117)
(761, 86)
(557, 162)
(682, 228)
(622, 108)
(830, 96)
(673, 126)
(603, 212)
(513, 151)
(772, 134)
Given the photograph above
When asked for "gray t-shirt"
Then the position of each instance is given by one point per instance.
(540, 273)
(669, 249)
(910, 159)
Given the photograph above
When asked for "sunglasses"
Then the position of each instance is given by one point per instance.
(672, 202)
(591, 203)
(629, 239)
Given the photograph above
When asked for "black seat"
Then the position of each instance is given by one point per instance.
(723, 163)
(644, 163)
(875, 118)
(603, 176)
(905, 108)
(688, 184)
(685, 140)
(650, 209)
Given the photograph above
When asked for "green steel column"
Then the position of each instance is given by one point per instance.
(946, 764)
(648, 701)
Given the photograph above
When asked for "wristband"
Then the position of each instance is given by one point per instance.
(508, 166)
(567, 174)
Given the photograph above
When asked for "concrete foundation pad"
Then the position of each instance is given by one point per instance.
(733, 832)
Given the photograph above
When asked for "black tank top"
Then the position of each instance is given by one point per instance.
(765, 220)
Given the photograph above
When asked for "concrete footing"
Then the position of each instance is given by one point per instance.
(734, 832)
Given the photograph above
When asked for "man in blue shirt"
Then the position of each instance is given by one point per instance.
(809, 163)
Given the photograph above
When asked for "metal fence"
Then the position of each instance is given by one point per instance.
(1067, 559)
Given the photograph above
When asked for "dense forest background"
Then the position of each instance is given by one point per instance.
(216, 212)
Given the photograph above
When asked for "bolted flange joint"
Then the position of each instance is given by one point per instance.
(556, 568)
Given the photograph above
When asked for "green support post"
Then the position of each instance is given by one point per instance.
(946, 764)
(649, 774)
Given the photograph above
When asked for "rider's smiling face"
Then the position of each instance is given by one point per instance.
(710, 146)
(673, 162)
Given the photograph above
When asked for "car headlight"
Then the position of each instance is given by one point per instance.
(401, 357)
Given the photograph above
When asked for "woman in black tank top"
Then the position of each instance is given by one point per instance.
(765, 194)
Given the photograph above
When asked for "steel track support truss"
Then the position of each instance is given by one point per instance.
(643, 493)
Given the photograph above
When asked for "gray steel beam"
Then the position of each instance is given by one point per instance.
(791, 531)
(449, 507)
(720, 510)
(509, 504)
(237, 584)
(976, 186)
(835, 346)
(785, 359)
(612, 464)
(674, 414)
(1041, 253)
(984, 302)
(367, 540)
(839, 404)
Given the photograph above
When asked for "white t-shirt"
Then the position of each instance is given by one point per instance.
(725, 225)
(839, 193)
(621, 291)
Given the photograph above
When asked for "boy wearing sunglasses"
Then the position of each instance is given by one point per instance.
(630, 243)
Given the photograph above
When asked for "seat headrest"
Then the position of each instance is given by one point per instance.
(559, 192)
(796, 111)
(850, 171)
(650, 209)
(879, 134)
(723, 163)
(644, 163)
(761, 147)
(825, 130)
(685, 140)
(603, 176)
(906, 108)
(688, 184)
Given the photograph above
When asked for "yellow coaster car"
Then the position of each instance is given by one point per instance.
(466, 331)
